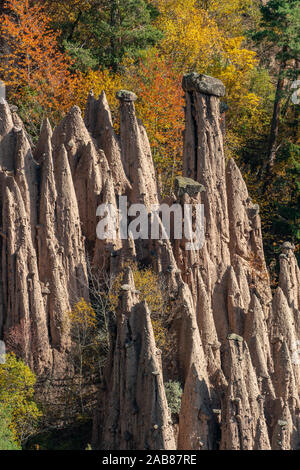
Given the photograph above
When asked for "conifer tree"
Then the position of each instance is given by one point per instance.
(280, 28)
(105, 30)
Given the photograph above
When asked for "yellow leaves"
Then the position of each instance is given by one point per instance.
(234, 53)
(160, 334)
(16, 393)
(150, 290)
(245, 107)
(191, 36)
(206, 37)
(83, 315)
(15, 378)
(147, 283)
(230, 15)
(194, 38)
(195, 41)
(98, 81)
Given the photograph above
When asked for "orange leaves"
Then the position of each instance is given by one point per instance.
(35, 70)
(160, 107)
(207, 37)
(40, 82)
(64, 10)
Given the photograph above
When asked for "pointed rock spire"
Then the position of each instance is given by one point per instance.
(24, 322)
(44, 141)
(136, 153)
(289, 279)
(243, 423)
(136, 414)
(99, 122)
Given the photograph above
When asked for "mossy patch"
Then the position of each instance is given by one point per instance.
(187, 185)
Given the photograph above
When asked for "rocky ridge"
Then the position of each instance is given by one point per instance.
(234, 344)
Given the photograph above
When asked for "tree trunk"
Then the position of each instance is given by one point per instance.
(275, 120)
(296, 106)
(74, 25)
(272, 150)
(114, 13)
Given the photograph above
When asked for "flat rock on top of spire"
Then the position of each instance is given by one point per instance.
(125, 95)
(203, 84)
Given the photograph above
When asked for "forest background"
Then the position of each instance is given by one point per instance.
(53, 52)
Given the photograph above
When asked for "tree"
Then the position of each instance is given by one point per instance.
(280, 29)
(103, 32)
(7, 439)
(198, 37)
(98, 81)
(36, 71)
(84, 345)
(191, 36)
(68, 19)
(17, 383)
(151, 290)
(160, 107)
(288, 205)
(174, 394)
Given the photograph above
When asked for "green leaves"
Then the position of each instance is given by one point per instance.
(174, 393)
(105, 33)
(16, 395)
(84, 58)
(280, 26)
(7, 440)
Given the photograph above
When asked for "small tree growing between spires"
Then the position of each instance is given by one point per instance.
(84, 346)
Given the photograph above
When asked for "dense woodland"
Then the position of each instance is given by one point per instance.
(54, 52)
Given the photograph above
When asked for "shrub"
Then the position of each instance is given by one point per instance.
(17, 383)
(173, 393)
(151, 290)
(7, 440)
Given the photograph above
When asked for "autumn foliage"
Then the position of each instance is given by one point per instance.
(17, 383)
(160, 107)
(57, 51)
(35, 70)
(97, 81)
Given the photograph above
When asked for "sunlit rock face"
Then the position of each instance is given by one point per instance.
(234, 344)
